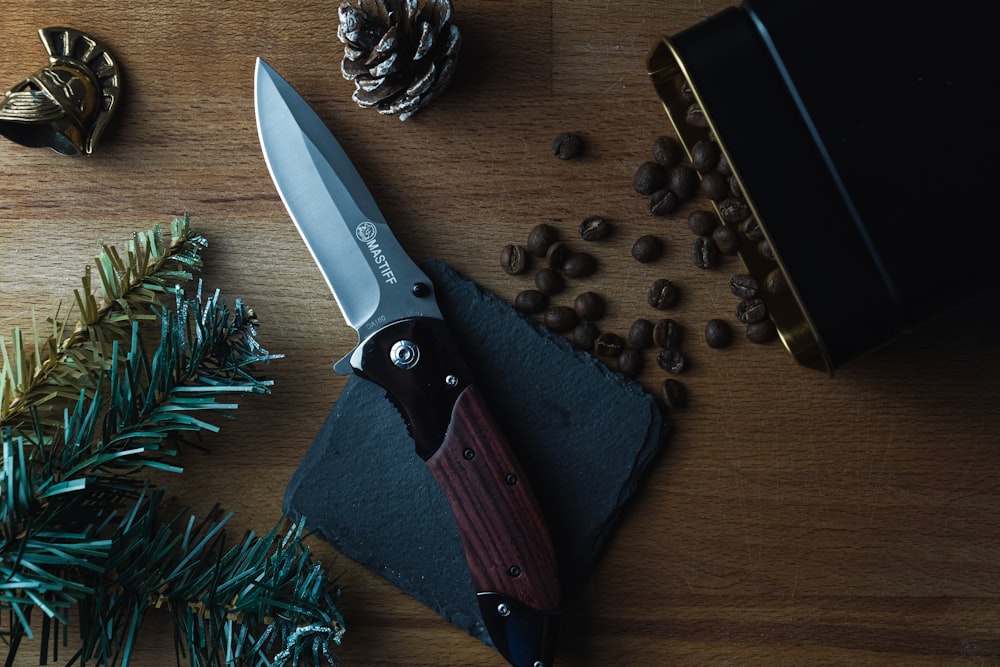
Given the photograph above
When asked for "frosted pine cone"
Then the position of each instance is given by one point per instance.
(400, 55)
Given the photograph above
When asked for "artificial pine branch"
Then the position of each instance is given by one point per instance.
(79, 525)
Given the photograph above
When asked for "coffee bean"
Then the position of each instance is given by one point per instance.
(540, 238)
(630, 362)
(584, 335)
(761, 332)
(667, 333)
(579, 265)
(647, 248)
(702, 222)
(733, 210)
(683, 181)
(662, 294)
(687, 94)
(649, 177)
(640, 334)
(663, 202)
(751, 229)
(718, 334)
(775, 282)
(735, 189)
(608, 345)
(567, 146)
(560, 318)
(595, 228)
(673, 393)
(668, 151)
(548, 281)
(723, 166)
(715, 186)
(744, 286)
(531, 301)
(704, 252)
(751, 310)
(705, 155)
(764, 248)
(671, 360)
(513, 259)
(695, 117)
(726, 239)
(557, 254)
(589, 306)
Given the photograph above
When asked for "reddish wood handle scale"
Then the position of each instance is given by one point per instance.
(506, 540)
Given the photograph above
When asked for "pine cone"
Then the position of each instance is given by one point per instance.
(399, 55)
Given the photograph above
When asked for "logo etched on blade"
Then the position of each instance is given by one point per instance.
(366, 233)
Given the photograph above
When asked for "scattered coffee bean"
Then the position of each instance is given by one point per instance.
(744, 286)
(752, 230)
(715, 186)
(548, 281)
(513, 259)
(557, 254)
(668, 151)
(608, 345)
(764, 248)
(734, 186)
(718, 334)
(595, 228)
(589, 306)
(579, 265)
(761, 332)
(671, 360)
(640, 334)
(751, 310)
(683, 181)
(540, 238)
(686, 93)
(695, 117)
(662, 294)
(733, 210)
(702, 222)
(727, 239)
(584, 335)
(673, 393)
(663, 202)
(704, 252)
(705, 155)
(531, 301)
(667, 333)
(647, 248)
(723, 166)
(649, 177)
(567, 146)
(775, 282)
(630, 362)
(560, 318)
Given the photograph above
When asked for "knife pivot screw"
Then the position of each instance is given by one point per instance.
(404, 354)
(511, 479)
(420, 290)
(469, 454)
(451, 380)
(514, 571)
(503, 609)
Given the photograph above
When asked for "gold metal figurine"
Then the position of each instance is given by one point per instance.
(66, 105)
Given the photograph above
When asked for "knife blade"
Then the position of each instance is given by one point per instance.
(405, 346)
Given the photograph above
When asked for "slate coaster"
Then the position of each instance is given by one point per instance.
(583, 433)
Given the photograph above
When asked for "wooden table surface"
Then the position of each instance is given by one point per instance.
(791, 519)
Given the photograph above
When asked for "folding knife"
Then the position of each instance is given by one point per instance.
(406, 347)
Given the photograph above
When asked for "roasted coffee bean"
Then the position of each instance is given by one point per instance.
(663, 202)
(764, 248)
(733, 210)
(726, 239)
(567, 146)
(673, 393)
(513, 259)
(702, 222)
(667, 333)
(687, 94)
(751, 310)
(531, 301)
(589, 306)
(548, 281)
(682, 180)
(557, 255)
(649, 177)
(640, 334)
(671, 360)
(595, 228)
(668, 151)
(695, 117)
(584, 335)
(761, 332)
(630, 362)
(723, 166)
(744, 286)
(705, 155)
(715, 186)
(608, 345)
(540, 238)
(751, 229)
(735, 189)
(647, 248)
(718, 334)
(662, 294)
(560, 318)
(704, 252)
(775, 282)
(579, 265)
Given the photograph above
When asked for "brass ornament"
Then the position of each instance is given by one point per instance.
(66, 105)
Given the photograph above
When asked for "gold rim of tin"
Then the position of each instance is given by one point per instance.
(795, 328)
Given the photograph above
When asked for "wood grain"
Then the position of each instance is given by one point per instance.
(792, 518)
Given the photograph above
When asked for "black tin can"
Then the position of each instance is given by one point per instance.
(863, 136)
